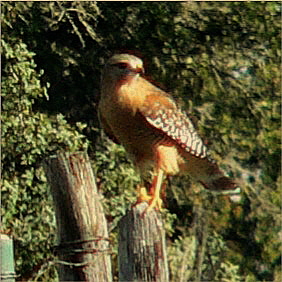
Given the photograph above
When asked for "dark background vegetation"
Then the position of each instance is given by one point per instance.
(220, 60)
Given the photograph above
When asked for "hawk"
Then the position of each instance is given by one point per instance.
(158, 136)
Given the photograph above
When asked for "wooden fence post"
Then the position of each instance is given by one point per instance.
(83, 246)
(141, 250)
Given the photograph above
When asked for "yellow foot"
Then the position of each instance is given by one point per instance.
(142, 195)
(156, 202)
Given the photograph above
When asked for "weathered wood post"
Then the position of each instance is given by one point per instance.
(141, 250)
(83, 246)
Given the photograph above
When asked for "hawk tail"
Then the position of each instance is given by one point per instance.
(222, 185)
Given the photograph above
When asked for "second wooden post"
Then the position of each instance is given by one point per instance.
(141, 251)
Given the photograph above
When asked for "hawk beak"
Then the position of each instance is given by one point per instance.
(139, 70)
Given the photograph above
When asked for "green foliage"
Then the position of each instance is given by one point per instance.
(216, 263)
(182, 258)
(220, 59)
(115, 172)
(28, 136)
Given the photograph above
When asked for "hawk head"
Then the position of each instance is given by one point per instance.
(123, 67)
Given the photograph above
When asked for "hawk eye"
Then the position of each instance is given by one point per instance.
(122, 65)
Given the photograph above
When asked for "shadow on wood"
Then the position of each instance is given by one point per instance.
(83, 246)
(142, 250)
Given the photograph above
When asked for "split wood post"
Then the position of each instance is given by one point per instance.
(83, 246)
(141, 250)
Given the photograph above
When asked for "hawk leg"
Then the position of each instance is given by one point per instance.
(156, 201)
(154, 197)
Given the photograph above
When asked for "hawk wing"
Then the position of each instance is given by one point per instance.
(161, 112)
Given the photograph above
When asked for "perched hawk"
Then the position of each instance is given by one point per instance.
(156, 134)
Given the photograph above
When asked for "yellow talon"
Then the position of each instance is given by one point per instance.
(156, 202)
(142, 195)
